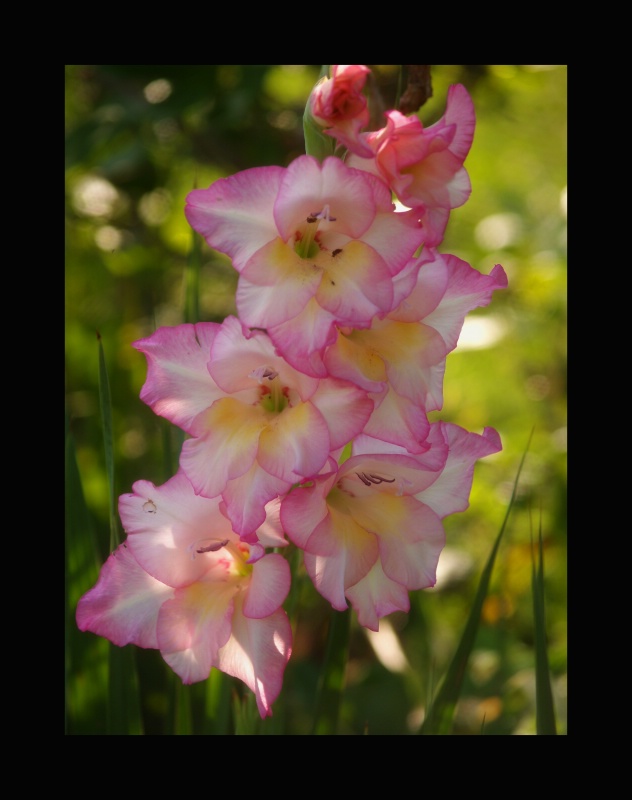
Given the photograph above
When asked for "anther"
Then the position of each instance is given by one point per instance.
(213, 547)
(263, 372)
(367, 480)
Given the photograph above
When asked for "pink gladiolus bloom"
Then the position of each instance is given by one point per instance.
(371, 530)
(185, 584)
(316, 245)
(400, 359)
(424, 166)
(338, 104)
(257, 425)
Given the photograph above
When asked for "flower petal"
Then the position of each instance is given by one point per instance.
(308, 186)
(376, 596)
(246, 499)
(276, 285)
(295, 444)
(257, 654)
(234, 214)
(194, 625)
(124, 603)
(224, 447)
(451, 491)
(269, 586)
(178, 385)
(164, 523)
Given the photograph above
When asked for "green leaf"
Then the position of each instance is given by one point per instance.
(217, 718)
(545, 711)
(438, 721)
(105, 403)
(123, 708)
(181, 711)
(332, 676)
(86, 672)
(192, 280)
(246, 715)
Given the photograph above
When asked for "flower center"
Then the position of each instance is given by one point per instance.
(239, 552)
(273, 395)
(306, 244)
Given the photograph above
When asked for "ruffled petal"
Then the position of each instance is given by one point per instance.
(302, 340)
(451, 491)
(257, 654)
(295, 444)
(305, 507)
(234, 214)
(467, 289)
(345, 408)
(276, 285)
(308, 186)
(124, 603)
(376, 596)
(226, 438)
(178, 385)
(268, 587)
(193, 626)
(398, 420)
(167, 524)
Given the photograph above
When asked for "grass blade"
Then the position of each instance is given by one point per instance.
(438, 721)
(105, 405)
(86, 657)
(123, 708)
(332, 676)
(545, 711)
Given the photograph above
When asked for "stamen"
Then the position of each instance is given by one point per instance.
(367, 480)
(324, 214)
(213, 547)
(209, 545)
(263, 372)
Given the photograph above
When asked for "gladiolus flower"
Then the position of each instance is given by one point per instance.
(257, 425)
(400, 359)
(185, 584)
(424, 166)
(371, 529)
(316, 245)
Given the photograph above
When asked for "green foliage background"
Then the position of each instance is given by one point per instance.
(138, 139)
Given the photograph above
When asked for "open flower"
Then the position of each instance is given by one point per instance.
(400, 359)
(371, 529)
(338, 104)
(185, 584)
(256, 424)
(424, 166)
(316, 245)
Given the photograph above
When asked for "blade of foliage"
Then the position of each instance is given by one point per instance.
(329, 696)
(438, 721)
(181, 714)
(82, 562)
(545, 711)
(247, 720)
(192, 281)
(217, 718)
(123, 710)
(105, 404)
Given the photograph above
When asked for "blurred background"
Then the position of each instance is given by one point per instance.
(138, 139)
